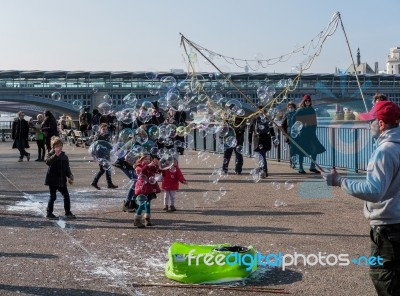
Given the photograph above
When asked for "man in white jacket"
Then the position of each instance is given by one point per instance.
(381, 194)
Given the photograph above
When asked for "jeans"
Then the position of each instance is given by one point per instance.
(41, 149)
(385, 242)
(227, 158)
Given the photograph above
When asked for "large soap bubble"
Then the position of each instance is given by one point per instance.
(166, 162)
(104, 108)
(125, 135)
(100, 150)
(130, 100)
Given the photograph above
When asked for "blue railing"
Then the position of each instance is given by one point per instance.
(349, 145)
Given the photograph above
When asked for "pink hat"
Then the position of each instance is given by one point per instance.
(387, 111)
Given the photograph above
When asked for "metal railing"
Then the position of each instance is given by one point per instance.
(348, 146)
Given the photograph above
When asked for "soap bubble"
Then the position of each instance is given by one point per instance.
(276, 185)
(130, 100)
(288, 185)
(140, 136)
(104, 108)
(107, 99)
(296, 129)
(77, 105)
(56, 96)
(166, 162)
(100, 150)
(141, 199)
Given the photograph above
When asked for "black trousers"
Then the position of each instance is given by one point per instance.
(41, 149)
(100, 173)
(385, 242)
(53, 196)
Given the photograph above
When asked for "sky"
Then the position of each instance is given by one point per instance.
(144, 35)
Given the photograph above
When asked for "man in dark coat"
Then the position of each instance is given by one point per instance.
(236, 131)
(262, 134)
(20, 133)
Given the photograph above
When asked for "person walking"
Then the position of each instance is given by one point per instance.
(287, 124)
(49, 128)
(40, 137)
(103, 135)
(56, 178)
(262, 134)
(236, 131)
(307, 139)
(381, 195)
(20, 134)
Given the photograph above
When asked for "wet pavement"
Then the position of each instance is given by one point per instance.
(101, 253)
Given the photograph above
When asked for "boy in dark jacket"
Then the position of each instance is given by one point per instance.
(56, 177)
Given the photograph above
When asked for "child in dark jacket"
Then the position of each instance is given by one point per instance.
(102, 135)
(146, 188)
(56, 177)
(170, 184)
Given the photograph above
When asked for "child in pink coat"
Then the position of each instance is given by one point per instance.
(146, 188)
(170, 184)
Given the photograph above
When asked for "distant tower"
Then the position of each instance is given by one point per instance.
(393, 61)
(358, 57)
(376, 68)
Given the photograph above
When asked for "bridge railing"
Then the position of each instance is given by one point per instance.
(348, 145)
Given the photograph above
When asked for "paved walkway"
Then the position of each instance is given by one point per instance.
(101, 253)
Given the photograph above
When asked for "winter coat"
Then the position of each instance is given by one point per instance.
(170, 181)
(288, 122)
(144, 173)
(58, 170)
(261, 133)
(49, 127)
(307, 139)
(20, 130)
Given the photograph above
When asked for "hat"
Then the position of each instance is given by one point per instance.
(307, 97)
(387, 111)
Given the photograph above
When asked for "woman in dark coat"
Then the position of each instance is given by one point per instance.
(49, 128)
(307, 139)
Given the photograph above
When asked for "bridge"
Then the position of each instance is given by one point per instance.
(36, 87)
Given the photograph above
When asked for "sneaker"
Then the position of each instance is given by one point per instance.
(172, 209)
(302, 172)
(95, 186)
(70, 215)
(20, 160)
(37, 159)
(112, 186)
(264, 175)
(28, 157)
(166, 208)
(51, 216)
(238, 173)
(315, 171)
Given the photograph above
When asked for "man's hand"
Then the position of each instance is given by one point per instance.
(71, 180)
(332, 178)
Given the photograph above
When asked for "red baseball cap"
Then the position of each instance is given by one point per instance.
(387, 111)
